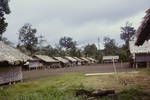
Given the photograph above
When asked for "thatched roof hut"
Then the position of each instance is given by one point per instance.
(140, 54)
(85, 59)
(143, 32)
(70, 59)
(91, 59)
(64, 62)
(145, 48)
(11, 55)
(44, 61)
(78, 59)
(46, 58)
(11, 61)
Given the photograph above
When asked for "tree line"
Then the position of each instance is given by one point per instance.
(30, 44)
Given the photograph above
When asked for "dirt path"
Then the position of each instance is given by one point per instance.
(98, 68)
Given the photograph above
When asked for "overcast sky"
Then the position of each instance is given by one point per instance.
(83, 20)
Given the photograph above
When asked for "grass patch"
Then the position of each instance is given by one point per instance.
(133, 94)
(145, 71)
(63, 87)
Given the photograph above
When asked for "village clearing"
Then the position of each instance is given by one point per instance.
(128, 86)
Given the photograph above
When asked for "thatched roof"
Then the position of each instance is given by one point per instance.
(85, 59)
(145, 48)
(70, 59)
(62, 60)
(143, 32)
(46, 58)
(11, 55)
(91, 59)
(78, 59)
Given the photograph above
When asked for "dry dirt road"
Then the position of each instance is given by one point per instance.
(97, 68)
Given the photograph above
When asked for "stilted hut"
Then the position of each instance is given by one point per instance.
(140, 54)
(11, 62)
(63, 62)
(79, 61)
(92, 60)
(45, 62)
(72, 61)
(86, 61)
(33, 64)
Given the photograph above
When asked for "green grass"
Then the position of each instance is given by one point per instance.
(63, 88)
(51, 88)
(145, 71)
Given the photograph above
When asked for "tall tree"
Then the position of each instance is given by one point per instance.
(27, 38)
(110, 46)
(45, 50)
(90, 50)
(67, 42)
(4, 9)
(127, 32)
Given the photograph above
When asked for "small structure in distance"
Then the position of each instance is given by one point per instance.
(110, 59)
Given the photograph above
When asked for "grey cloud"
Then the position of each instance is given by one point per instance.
(84, 20)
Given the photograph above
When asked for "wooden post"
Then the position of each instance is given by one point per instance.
(121, 64)
(136, 64)
(115, 70)
(147, 65)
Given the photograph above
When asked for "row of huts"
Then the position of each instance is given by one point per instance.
(44, 61)
(12, 61)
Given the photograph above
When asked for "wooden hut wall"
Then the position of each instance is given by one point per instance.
(10, 74)
(142, 58)
(35, 64)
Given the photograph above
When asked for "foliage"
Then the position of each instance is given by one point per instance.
(67, 42)
(4, 9)
(123, 55)
(51, 88)
(58, 51)
(99, 56)
(27, 38)
(133, 94)
(90, 50)
(63, 87)
(46, 50)
(110, 46)
(127, 32)
(6, 41)
(70, 46)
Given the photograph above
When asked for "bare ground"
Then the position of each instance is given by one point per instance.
(96, 68)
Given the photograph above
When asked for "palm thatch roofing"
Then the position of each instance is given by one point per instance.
(145, 48)
(78, 59)
(70, 59)
(91, 59)
(46, 58)
(11, 55)
(65, 61)
(143, 32)
(85, 59)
